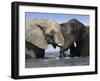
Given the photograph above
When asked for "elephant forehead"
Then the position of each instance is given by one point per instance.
(48, 31)
(52, 23)
(56, 27)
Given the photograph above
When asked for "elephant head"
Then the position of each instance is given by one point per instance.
(72, 32)
(40, 32)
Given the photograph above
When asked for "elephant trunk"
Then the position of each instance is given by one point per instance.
(59, 40)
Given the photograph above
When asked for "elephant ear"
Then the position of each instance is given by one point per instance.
(35, 35)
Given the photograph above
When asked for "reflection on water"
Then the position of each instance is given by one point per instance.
(56, 61)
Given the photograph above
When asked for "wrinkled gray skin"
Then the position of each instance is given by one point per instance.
(76, 38)
(37, 35)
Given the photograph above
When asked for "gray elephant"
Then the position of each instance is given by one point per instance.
(76, 38)
(39, 33)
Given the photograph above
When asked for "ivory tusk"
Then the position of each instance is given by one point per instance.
(60, 44)
(75, 44)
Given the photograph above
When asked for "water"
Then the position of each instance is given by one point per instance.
(52, 60)
(54, 52)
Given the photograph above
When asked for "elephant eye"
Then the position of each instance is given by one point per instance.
(74, 31)
(52, 32)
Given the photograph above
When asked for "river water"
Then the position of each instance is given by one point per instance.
(52, 60)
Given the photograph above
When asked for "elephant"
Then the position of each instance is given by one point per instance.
(39, 33)
(76, 38)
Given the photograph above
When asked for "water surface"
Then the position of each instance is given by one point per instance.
(56, 62)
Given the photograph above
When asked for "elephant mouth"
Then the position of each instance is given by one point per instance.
(59, 45)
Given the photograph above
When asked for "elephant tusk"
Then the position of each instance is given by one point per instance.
(60, 44)
(75, 44)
